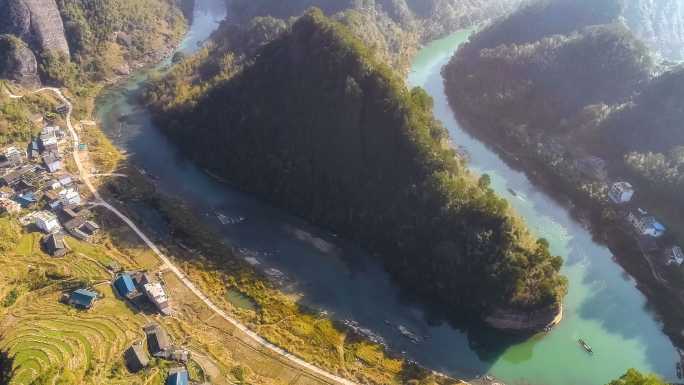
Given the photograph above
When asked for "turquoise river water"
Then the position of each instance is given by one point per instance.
(603, 305)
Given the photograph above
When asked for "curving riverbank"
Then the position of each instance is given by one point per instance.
(335, 276)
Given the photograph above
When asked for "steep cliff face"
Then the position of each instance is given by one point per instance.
(37, 22)
(659, 23)
(17, 62)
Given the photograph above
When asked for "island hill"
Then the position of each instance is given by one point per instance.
(315, 125)
(583, 105)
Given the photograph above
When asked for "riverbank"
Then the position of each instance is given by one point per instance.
(603, 220)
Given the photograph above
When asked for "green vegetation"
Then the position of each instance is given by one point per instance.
(394, 30)
(634, 377)
(381, 171)
(18, 116)
(105, 35)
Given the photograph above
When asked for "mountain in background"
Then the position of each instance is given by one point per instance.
(394, 29)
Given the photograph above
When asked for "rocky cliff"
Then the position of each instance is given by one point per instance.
(17, 62)
(515, 321)
(37, 22)
(659, 23)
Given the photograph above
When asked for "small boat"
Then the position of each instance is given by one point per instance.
(585, 346)
(510, 190)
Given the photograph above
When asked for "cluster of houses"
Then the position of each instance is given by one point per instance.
(134, 286)
(34, 179)
(644, 224)
(159, 346)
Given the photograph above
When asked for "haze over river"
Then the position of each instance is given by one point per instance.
(603, 305)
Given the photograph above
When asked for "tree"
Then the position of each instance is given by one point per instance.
(634, 377)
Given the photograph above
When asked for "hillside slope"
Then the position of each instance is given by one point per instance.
(381, 171)
(76, 41)
(394, 29)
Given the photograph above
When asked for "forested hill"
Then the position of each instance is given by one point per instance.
(527, 75)
(318, 126)
(394, 29)
(647, 134)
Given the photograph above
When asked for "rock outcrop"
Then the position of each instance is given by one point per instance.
(37, 22)
(17, 62)
(515, 321)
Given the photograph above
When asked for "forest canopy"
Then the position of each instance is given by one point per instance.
(381, 171)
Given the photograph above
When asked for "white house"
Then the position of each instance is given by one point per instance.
(155, 293)
(46, 221)
(645, 224)
(675, 255)
(70, 197)
(621, 192)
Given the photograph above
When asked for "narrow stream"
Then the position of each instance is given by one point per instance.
(603, 306)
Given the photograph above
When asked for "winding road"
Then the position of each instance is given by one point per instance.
(168, 264)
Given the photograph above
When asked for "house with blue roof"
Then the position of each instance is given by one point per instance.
(82, 298)
(124, 286)
(645, 224)
(178, 376)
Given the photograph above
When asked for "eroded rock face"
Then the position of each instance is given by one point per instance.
(18, 62)
(37, 22)
(525, 322)
(659, 23)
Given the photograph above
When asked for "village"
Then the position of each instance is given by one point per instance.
(37, 190)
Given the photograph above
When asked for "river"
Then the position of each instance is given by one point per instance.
(603, 305)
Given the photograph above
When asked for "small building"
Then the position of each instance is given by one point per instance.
(136, 358)
(53, 199)
(53, 184)
(27, 199)
(156, 294)
(674, 255)
(82, 299)
(65, 180)
(13, 156)
(645, 224)
(81, 228)
(69, 196)
(62, 109)
(124, 286)
(178, 376)
(11, 178)
(157, 340)
(9, 206)
(46, 222)
(72, 212)
(54, 245)
(176, 354)
(621, 192)
(593, 167)
(52, 161)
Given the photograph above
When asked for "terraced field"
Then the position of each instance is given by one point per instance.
(52, 343)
